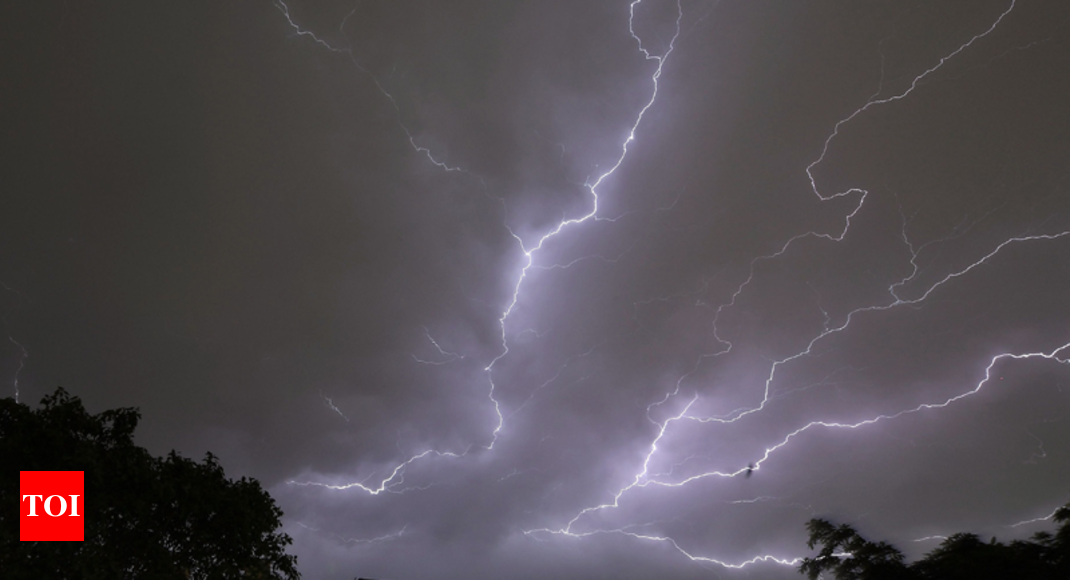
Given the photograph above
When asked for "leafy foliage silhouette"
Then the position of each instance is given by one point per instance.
(846, 555)
(145, 516)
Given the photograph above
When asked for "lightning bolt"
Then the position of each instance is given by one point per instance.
(642, 479)
(1015, 525)
(330, 405)
(448, 356)
(1035, 520)
(903, 293)
(592, 214)
(390, 484)
(930, 539)
(529, 250)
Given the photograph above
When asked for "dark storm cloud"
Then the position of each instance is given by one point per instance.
(253, 234)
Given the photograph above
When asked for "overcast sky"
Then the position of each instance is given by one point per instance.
(352, 248)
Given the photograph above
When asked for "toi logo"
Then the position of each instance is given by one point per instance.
(52, 506)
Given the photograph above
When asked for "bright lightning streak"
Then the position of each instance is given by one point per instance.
(665, 539)
(641, 479)
(1052, 356)
(449, 356)
(874, 102)
(396, 476)
(930, 539)
(529, 254)
(735, 416)
(1016, 525)
(1035, 520)
(637, 481)
(331, 406)
(644, 478)
(592, 187)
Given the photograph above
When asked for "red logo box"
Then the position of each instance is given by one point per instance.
(52, 506)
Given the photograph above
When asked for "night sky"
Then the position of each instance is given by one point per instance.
(353, 249)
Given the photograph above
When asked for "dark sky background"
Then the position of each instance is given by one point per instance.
(289, 235)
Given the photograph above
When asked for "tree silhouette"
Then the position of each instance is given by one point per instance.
(846, 555)
(849, 556)
(145, 517)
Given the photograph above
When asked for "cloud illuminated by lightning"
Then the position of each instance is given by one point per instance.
(642, 479)
(529, 253)
(900, 294)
